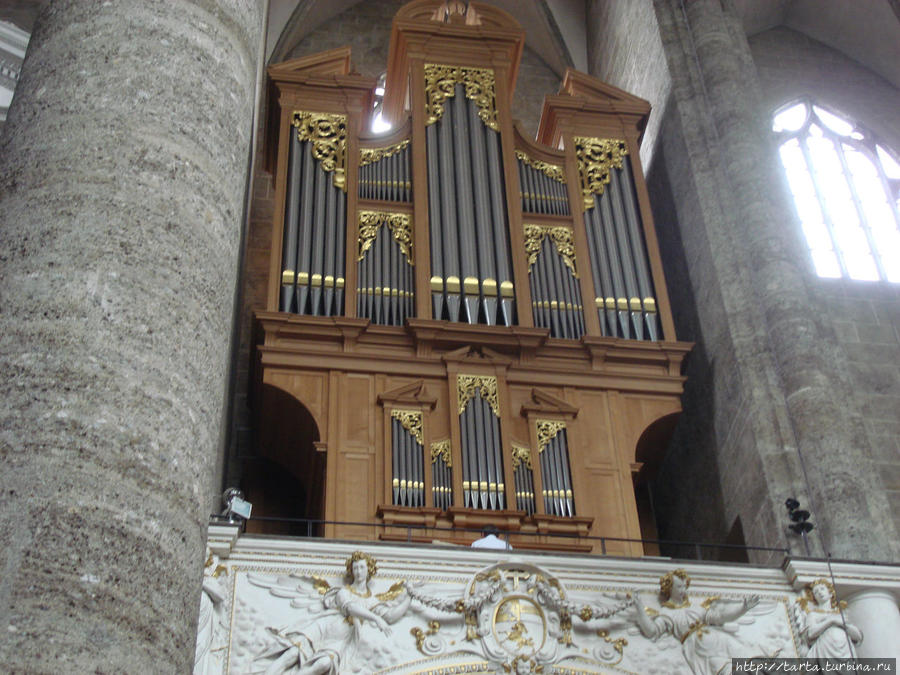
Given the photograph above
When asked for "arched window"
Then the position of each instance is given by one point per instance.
(847, 190)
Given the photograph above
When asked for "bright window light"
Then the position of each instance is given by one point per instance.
(846, 189)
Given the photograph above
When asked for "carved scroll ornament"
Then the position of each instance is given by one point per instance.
(552, 171)
(562, 239)
(596, 158)
(467, 385)
(399, 224)
(521, 455)
(411, 420)
(372, 155)
(327, 136)
(441, 450)
(440, 84)
(547, 431)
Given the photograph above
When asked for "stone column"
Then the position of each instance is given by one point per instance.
(122, 179)
(830, 438)
(876, 614)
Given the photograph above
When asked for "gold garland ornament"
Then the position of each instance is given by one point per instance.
(411, 420)
(372, 155)
(467, 385)
(441, 450)
(547, 431)
(327, 136)
(552, 171)
(440, 84)
(562, 238)
(400, 225)
(596, 158)
(521, 455)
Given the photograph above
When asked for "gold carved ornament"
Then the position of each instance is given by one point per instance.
(327, 136)
(467, 385)
(562, 238)
(400, 225)
(596, 158)
(552, 171)
(411, 420)
(521, 455)
(440, 84)
(547, 431)
(372, 155)
(441, 450)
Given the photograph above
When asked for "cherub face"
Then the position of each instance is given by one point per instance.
(821, 594)
(360, 570)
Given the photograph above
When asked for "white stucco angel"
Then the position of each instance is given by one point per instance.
(334, 636)
(707, 644)
(818, 620)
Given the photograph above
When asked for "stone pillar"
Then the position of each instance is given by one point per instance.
(831, 440)
(876, 614)
(122, 179)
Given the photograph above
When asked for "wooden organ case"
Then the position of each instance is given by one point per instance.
(475, 324)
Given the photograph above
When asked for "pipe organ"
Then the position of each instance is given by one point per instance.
(476, 323)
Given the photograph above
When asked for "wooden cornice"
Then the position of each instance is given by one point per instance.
(414, 394)
(545, 403)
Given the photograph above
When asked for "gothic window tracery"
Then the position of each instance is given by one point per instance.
(846, 187)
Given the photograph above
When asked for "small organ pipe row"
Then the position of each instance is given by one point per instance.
(384, 173)
(313, 251)
(524, 477)
(385, 294)
(479, 426)
(557, 479)
(555, 291)
(471, 268)
(625, 304)
(408, 482)
(542, 187)
(441, 476)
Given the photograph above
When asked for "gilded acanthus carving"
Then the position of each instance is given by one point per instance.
(562, 238)
(596, 158)
(546, 431)
(411, 420)
(400, 225)
(327, 137)
(441, 450)
(552, 171)
(521, 455)
(372, 155)
(468, 385)
(440, 84)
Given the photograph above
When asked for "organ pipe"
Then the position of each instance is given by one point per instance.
(407, 449)
(481, 442)
(384, 262)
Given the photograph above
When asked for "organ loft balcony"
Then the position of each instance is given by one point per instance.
(464, 327)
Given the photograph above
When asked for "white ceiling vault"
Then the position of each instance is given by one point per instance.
(867, 31)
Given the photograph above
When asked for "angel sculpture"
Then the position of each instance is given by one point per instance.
(330, 639)
(818, 620)
(705, 643)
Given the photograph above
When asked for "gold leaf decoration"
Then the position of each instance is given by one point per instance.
(400, 225)
(372, 155)
(596, 158)
(552, 171)
(327, 137)
(467, 385)
(521, 455)
(562, 238)
(441, 450)
(440, 84)
(411, 420)
(547, 430)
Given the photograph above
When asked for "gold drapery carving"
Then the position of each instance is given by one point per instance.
(400, 225)
(411, 420)
(467, 385)
(550, 170)
(371, 155)
(440, 84)
(521, 455)
(596, 158)
(547, 431)
(441, 450)
(562, 237)
(327, 136)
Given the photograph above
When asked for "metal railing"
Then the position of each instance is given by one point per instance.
(671, 548)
